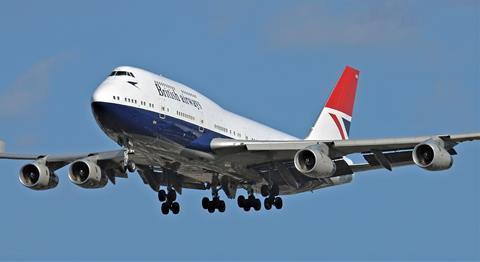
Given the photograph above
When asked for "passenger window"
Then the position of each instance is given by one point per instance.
(200, 128)
(162, 116)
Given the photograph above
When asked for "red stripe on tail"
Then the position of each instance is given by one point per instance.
(339, 126)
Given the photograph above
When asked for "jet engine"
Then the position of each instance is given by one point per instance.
(37, 176)
(432, 155)
(87, 174)
(313, 161)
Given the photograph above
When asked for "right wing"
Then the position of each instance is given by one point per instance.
(271, 157)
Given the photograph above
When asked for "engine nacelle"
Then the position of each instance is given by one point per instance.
(432, 155)
(37, 176)
(313, 161)
(87, 174)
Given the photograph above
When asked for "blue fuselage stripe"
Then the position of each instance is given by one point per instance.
(122, 119)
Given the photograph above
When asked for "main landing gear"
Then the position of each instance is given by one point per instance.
(215, 203)
(169, 203)
(250, 202)
(271, 197)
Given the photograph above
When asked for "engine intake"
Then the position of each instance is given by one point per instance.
(87, 174)
(37, 176)
(313, 161)
(432, 155)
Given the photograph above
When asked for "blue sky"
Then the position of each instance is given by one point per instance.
(273, 61)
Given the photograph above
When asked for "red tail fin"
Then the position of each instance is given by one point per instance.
(335, 118)
(343, 96)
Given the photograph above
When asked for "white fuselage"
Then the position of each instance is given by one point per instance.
(163, 96)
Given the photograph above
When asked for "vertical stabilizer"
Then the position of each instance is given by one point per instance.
(2, 146)
(335, 118)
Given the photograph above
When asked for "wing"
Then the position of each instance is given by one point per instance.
(110, 162)
(265, 156)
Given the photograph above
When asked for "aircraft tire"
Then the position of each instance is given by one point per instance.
(162, 195)
(165, 208)
(172, 195)
(267, 203)
(221, 206)
(278, 203)
(175, 208)
(211, 207)
(131, 166)
(205, 201)
(257, 204)
(241, 201)
(275, 191)
(264, 190)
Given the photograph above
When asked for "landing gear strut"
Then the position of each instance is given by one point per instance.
(250, 202)
(168, 199)
(128, 165)
(271, 197)
(215, 203)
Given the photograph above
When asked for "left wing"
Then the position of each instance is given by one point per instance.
(84, 171)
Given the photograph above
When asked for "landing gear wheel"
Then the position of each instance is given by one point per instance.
(275, 190)
(267, 203)
(278, 202)
(165, 208)
(264, 190)
(172, 195)
(205, 201)
(221, 206)
(211, 207)
(246, 208)
(175, 208)
(257, 204)
(131, 167)
(162, 195)
(241, 201)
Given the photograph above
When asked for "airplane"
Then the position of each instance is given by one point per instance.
(175, 138)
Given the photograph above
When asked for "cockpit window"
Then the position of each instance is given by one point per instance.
(121, 73)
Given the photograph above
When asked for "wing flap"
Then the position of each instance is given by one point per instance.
(393, 158)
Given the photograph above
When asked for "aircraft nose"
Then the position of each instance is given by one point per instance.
(102, 93)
